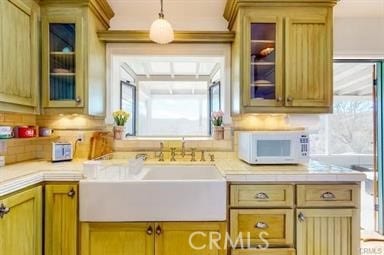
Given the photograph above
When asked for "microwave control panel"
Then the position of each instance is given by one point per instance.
(304, 142)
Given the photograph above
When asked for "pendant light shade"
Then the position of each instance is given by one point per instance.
(161, 30)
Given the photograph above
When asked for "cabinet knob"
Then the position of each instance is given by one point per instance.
(158, 230)
(289, 99)
(279, 99)
(78, 100)
(3, 210)
(327, 196)
(261, 225)
(261, 195)
(71, 193)
(149, 230)
(301, 217)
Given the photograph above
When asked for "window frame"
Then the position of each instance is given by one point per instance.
(210, 88)
(134, 99)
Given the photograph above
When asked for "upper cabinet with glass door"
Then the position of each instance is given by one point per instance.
(63, 58)
(281, 56)
(73, 58)
(264, 68)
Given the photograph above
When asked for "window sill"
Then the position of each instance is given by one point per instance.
(153, 143)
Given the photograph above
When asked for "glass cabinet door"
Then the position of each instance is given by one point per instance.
(62, 58)
(62, 45)
(264, 63)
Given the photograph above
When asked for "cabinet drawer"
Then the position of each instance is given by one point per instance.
(273, 225)
(278, 251)
(262, 196)
(328, 195)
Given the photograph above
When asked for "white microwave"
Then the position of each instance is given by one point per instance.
(274, 147)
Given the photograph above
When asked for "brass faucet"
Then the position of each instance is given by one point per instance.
(173, 154)
(202, 156)
(161, 153)
(193, 154)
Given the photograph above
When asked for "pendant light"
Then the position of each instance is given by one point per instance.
(161, 30)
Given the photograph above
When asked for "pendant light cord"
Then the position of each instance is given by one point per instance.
(161, 14)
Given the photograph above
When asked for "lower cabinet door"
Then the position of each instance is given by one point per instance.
(61, 219)
(289, 251)
(190, 238)
(327, 231)
(117, 239)
(21, 223)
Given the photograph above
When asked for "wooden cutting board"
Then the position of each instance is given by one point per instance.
(101, 144)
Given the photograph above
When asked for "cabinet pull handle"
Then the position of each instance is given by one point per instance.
(279, 99)
(289, 99)
(71, 193)
(78, 100)
(261, 225)
(301, 217)
(3, 210)
(261, 195)
(158, 230)
(149, 230)
(328, 196)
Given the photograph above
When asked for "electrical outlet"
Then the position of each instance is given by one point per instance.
(80, 137)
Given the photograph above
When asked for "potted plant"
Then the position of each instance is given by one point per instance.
(120, 117)
(217, 122)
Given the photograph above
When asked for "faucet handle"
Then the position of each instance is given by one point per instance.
(202, 155)
(161, 156)
(211, 157)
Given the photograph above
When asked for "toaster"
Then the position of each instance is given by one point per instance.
(62, 151)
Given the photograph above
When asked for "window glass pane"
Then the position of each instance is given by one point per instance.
(170, 108)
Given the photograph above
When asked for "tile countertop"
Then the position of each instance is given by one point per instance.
(20, 175)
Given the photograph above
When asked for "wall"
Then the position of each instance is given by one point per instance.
(359, 37)
(16, 150)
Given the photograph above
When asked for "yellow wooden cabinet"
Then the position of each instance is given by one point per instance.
(281, 56)
(166, 238)
(61, 217)
(19, 60)
(73, 59)
(21, 223)
(327, 231)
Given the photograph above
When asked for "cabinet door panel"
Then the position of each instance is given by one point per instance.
(308, 62)
(262, 61)
(19, 60)
(117, 239)
(61, 219)
(175, 238)
(21, 232)
(327, 231)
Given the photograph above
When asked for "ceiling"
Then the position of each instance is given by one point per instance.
(208, 14)
(149, 66)
(353, 79)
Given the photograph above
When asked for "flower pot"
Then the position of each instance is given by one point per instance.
(118, 132)
(218, 133)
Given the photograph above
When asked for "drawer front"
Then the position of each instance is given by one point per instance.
(272, 225)
(277, 251)
(328, 195)
(262, 196)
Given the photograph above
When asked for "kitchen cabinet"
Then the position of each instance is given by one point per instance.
(326, 218)
(21, 222)
(165, 238)
(327, 231)
(281, 56)
(73, 59)
(19, 60)
(61, 217)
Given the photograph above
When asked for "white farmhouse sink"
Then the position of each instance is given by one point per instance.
(161, 193)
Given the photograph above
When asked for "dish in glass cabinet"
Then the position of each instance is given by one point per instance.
(61, 70)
